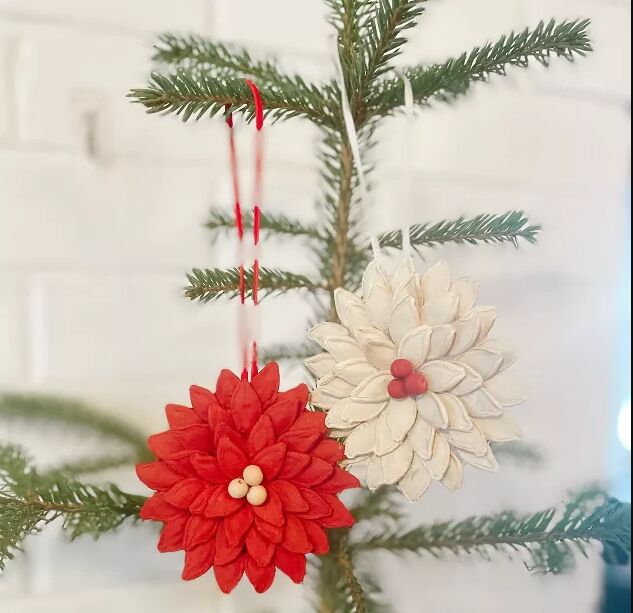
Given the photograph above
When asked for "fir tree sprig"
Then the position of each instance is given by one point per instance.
(452, 78)
(30, 500)
(284, 352)
(548, 537)
(212, 283)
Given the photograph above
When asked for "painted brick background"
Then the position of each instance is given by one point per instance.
(101, 213)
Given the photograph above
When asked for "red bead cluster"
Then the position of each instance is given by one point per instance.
(406, 381)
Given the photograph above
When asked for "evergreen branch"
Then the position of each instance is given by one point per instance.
(212, 283)
(353, 585)
(29, 501)
(271, 223)
(487, 228)
(281, 353)
(445, 81)
(550, 542)
(187, 93)
(521, 453)
(379, 504)
(85, 466)
(78, 416)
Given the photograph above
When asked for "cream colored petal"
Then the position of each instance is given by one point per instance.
(473, 442)
(401, 414)
(343, 348)
(414, 346)
(454, 477)
(436, 279)
(486, 317)
(366, 335)
(335, 418)
(322, 399)
(373, 274)
(357, 318)
(471, 382)
(458, 417)
(432, 410)
(507, 389)
(342, 301)
(508, 356)
(486, 462)
(379, 304)
(482, 404)
(354, 371)
(357, 411)
(441, 340)
(442, 376)
(416, 481)
(484, 361)
(440, 308)
(421, 438)
(397, 463)
(380, 353)
(361, 440)
(466, 333)
(409, 289)
(385, 442)
(374, 388)
(335, 386)
(404, 318)
(321, 365)
(403, 272)
(320, 333)
(467, 290)
(438, 464)
(500, 429)
(375, 473)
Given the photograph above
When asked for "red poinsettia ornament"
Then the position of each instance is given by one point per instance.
(246, 481)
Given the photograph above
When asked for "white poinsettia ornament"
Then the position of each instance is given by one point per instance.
(411, 380)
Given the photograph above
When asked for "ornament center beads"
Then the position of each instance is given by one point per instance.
(406, 382)
(249, 486)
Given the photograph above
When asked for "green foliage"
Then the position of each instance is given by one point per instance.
(549, 538)
(453, 78)
(212, 283)
(520, 453)
(30, 500)
(284, 352)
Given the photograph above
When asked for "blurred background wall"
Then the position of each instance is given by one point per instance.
(102, 211)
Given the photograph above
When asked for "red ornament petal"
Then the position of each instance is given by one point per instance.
(198, 561)
(208, 468)
(275, 534)
(311, 420)
(271, 511)
(180, 417)
(319, 508)
(303, 441)
(283, 414)
(164, 445)
(183, 494)
(196, 438)
(223, 430)
(172, 536)
(231, 459)
(295, 537)
(295, 463)
(290, 497)
(340, 517)
(181, 463)
(266, 383)
(271, 460)
(261, 436)
(329, 450)
(260, 577)
(317, 536)
(246, 407)
(237, 525)
(316, 472)
(224, 388)
(200, 530)
(225, 553)
(301, 393)
(221, 504)
(201, 399)
(292, 564)
(157, 509)
(157, 475)
(259, 548)
(229, 576)
(339, 481)
(199, 505)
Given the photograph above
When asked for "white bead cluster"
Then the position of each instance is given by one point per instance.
(249, 486)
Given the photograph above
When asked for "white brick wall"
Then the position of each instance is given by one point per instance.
(101, 209)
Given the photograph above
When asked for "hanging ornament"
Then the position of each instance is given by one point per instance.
(246, 479)
(411, 379)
